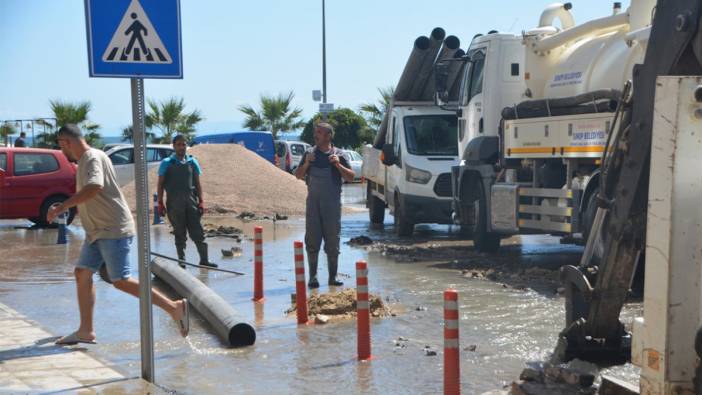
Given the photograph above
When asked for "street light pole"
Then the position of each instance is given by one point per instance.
(324, 56)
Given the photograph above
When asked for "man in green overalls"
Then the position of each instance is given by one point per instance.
(323, 167)
(179, 176)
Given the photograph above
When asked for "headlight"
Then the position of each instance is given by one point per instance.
(416, 175)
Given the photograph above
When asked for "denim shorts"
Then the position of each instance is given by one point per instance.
(114, 253)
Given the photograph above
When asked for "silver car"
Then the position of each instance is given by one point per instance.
(356, 163)
(122, 158)
(289, 154)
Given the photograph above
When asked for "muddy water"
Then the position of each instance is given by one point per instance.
(508, 327)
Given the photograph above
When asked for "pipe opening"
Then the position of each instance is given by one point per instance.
(241, 335)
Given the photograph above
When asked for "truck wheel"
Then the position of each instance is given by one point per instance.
(483, 240)
(376, 207)
(403, 227)
(41, 221)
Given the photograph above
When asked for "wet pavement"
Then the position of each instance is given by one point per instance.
(507, 326)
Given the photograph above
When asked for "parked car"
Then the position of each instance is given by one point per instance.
(31, 180)
(356, 163)
(258, 142)
(290, 154)
(109, 146)
(122, 158)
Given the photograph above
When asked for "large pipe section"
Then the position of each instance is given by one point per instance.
(220, 315)
(448, 51)
(412, 67)
(420, 79)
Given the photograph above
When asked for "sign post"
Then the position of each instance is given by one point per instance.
(137, 39)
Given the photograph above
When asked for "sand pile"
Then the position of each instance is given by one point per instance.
(236, 179)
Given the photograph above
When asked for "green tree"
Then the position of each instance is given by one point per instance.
(76, 113)
(350, 129)
(170, 118)
(128, 135)
(276, 114)
(372, 112)
(7, 130)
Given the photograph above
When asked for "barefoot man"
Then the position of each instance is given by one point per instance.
(109, 229)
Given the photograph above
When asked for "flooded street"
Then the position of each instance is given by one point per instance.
(507, 326)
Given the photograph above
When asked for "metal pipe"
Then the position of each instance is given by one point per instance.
(566, 36)
(220, 315)
(560, 11)
(194, 265)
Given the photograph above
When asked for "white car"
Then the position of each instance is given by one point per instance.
(356, 163)
(122, 158)
(289, 154)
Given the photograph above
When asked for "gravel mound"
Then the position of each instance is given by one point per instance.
(235, 179)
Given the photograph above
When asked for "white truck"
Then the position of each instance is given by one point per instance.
(408, 166)
(420, 148)
(534, 113)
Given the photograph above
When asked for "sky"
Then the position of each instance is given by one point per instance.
(234, 51)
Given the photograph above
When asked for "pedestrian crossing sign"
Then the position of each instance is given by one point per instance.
(134, 38)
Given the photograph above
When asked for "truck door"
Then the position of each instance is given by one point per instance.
(394, 172)
(473, 96)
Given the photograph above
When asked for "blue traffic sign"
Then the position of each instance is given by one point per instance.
(134, 38)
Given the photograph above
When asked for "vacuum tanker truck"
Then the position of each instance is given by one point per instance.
(534, 114)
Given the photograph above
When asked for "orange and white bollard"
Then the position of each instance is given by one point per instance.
(258, 263)
(363, 311)
(300, 289)
(452, 363)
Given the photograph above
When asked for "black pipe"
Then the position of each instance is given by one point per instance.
(421, 78)
(448, 51)
(220, 315)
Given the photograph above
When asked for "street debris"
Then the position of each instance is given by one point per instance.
(360, 241)
(429, 352)
(223, 231)
(340, 305)
(575, 377)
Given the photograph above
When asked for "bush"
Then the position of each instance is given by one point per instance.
(350, 129)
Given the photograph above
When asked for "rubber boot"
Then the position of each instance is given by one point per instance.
(202, 250)
(181, 255)
(333, 264)
(313, 259)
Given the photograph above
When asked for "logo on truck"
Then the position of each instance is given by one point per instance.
(565, 79)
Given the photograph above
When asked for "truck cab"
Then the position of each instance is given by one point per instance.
(411, 174)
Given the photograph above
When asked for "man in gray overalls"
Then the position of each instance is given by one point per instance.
(179, 175)
(323, 167)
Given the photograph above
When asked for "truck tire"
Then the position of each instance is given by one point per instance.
(41, 221)
(376, 207)
(403, 227)
(588, 219)
(483, 240)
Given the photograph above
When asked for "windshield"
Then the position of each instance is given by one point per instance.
(431, 135)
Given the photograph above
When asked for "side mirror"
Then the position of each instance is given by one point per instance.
(441, 75)
(388, 155)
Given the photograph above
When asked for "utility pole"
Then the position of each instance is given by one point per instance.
(324, 56)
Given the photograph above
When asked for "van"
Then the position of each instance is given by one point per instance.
(290, 154)
(258, 142)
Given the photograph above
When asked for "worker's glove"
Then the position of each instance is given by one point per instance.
(201, 207)
(161, 209)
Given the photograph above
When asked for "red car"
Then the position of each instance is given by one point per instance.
(31, 180)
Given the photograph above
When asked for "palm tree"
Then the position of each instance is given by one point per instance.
(374, 112)
(76, 113)
(170, 118)
(7, 130)
(128, 135)
(276, 114)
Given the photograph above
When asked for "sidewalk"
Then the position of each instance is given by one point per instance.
(31, 363)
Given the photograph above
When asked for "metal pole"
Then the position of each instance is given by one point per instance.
(324, 56)
(324, 60)
(33, 134)
(142, 192)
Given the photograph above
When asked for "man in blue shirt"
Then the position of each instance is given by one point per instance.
(179, 176)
